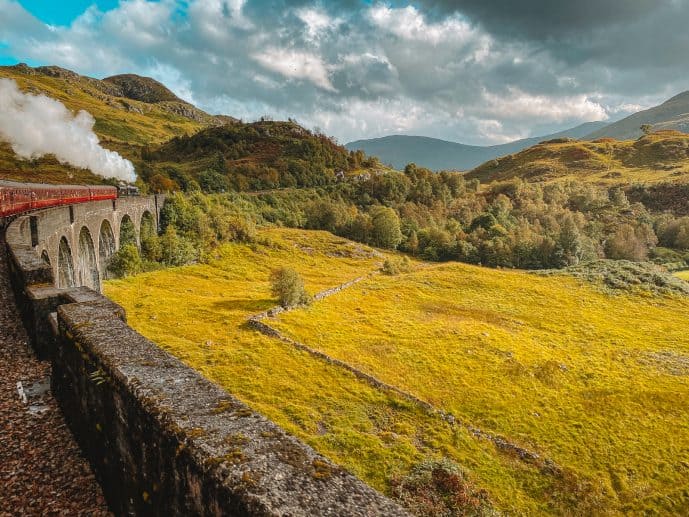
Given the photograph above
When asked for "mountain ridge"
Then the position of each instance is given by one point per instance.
(398, 150)
(672, 114)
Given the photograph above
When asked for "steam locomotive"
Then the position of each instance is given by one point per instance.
(16, 198)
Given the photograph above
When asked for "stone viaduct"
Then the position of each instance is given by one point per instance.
(161, 438)
(78, 240)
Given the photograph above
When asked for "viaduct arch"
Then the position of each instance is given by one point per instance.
(148, 400)
(77, 241)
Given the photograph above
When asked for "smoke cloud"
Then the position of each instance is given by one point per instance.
(36, 125)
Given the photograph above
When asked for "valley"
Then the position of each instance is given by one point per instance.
(548, 363)
(529, 390)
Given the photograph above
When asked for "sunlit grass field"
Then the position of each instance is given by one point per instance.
(684, 275)
(597, 383)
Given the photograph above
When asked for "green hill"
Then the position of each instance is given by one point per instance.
(662, 156)
(672, 114)
(253, 156)
(130, 112)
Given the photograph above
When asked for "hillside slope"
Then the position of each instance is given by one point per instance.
(130, 112)
(572, 381)
(253, 156)
(672, 114)
(435, 154)
(659, 157)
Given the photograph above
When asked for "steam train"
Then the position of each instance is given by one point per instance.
(16, 198)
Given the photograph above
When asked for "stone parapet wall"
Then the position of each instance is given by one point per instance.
(163, 440)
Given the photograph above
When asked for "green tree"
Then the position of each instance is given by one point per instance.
(127, 232)
(288, 287)
(125, 262)
(385, 227)
(212, 181)
(176, 250)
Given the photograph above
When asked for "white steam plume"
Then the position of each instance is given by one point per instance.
(36, 125)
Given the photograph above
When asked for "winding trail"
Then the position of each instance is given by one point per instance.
(42, 471)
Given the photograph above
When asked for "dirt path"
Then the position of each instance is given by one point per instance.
(42, 471)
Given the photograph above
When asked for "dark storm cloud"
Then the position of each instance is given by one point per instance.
(548, 19)
(474, 71)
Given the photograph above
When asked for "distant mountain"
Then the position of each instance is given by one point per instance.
(672, 114)
(399, 150)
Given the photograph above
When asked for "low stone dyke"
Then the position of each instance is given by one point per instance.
(258, 322)
(162, 439)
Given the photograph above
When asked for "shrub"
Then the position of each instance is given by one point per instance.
(125, 261)
(176, 250)
(395, 266)
(435, 488)
(288, 287)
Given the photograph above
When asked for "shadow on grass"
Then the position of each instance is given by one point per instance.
(250, 306)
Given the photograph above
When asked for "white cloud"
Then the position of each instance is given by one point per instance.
(317, 22)
(356, 73)
(520, 105)
(410, 24)
(295, 64)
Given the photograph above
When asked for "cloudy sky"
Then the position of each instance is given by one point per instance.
(475, 71)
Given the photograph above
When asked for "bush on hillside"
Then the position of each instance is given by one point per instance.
(288, 287)
(395, 266)
(624, 275)
(176, 250)
(125, 262)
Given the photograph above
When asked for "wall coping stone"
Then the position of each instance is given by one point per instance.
(164, 440)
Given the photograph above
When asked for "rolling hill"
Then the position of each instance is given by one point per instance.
(672, 114)
(435, 154)
(662, 156)
(167, 137)
(130, 111)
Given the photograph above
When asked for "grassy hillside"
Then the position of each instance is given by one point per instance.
(672, 115)
(255, 156)
(123, 123)
(557, 369)
(662, 156)
(166, 137)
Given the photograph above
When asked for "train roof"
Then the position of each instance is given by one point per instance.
(18, 184)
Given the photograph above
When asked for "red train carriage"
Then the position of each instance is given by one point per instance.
(16, 198)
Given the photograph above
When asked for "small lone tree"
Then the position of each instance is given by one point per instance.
(646, 129)
(288, 287)
(125, 262)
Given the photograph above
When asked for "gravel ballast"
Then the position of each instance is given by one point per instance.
(42, 471)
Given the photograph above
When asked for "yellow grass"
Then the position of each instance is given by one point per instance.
(579, 376)
(684, 275)
(598, 383)
(656, 158)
